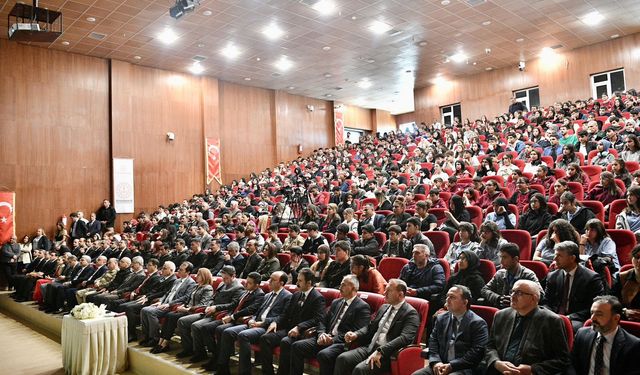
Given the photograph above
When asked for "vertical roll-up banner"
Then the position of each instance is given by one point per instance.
(123, 192)
(338, 119)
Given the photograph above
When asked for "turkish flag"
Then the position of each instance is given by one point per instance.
(7, 216)
(213, 160)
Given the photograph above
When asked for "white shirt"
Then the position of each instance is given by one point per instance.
(393, 311)
(344, 310)
(606, 352)
(271, 303)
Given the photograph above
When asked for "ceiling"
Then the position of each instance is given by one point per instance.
(331, 55)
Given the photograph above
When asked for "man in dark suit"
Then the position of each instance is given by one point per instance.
(147, 296)
(78, 226)
(206, 332)
(295, 265)
(179, 294)
(459, 337)
(100, 265)
(234, 258)
(349, 313)
(399, 217)
(305, 311)
(122, 250)
(215, 259)
(315, 239)
(228, 291)
(369, 216)
(605, 347)
(253, 260)
(526, 338)
(395, 326)
(106, 214)
(93, 226)
(147, 284)
(57, 293)
(572, 287)
(275, 304)
(133, 280)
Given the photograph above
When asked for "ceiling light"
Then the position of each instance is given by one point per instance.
(247, 78)
(547, 52)
(365, 83)
(486, 23)
(291, 88)
(439, 80)
(592, 18)
(230, 51)
(328, 95)
(272, 31)
(615, 36)
(283, 64)
(65, 43)
(520, 40)
(445, 2)
(167, 36)
(258, 59)
(200, 45)
(354, 18)
(459, 57)
(196, 68)
(327, 75)
(475, 63)
(324, 7)
(370, 61)
(207, 13)
(326, 48)
(379, 27)
(91, 19)
(422, 44)
(488, 68)
(137, 57)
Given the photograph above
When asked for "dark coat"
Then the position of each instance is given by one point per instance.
(470, 342)
(623, 352)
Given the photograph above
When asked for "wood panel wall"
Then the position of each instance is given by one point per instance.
(384, 122)
(54, 131)
(404, 118)
(358, 118)
(296, 125)
(565, 77)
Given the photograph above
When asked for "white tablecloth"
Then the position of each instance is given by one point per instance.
(94, 346)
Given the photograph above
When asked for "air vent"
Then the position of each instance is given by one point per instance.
(97, 36)
(338, 88)
(556, 46)
(198, 58)
(473, 3)
(275, 74)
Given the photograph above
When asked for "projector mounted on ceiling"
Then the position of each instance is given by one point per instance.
(33, 24)
(182, 6)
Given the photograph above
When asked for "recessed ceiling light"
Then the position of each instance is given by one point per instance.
(370, 61)
(378, 27)
(364, 83)
(272, 31)
(488, 68)
(324, 7)
(200, 45)
(520, 40)
(422, 44)
(326, 48)
(65, 43)
(439, 80)
(283, 64)
(487, 51)
(475, 63)
(328, 95)
(327, 75)
(258, 59)
(207, 13)
(196, 68)
(445, 2)
(136, 57)
(615, 36)
(230, 51)
(459, 57)
(247, 78)
(592, 18)
(291, 88)
(354, 18)
(167, 36)
(91, 19)
(486, 23)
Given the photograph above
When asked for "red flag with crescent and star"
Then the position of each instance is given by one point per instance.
(7, 216)
(213, 160)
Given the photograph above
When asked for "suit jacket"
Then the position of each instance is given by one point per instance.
(97, 274)
(356, 317)
(93, 228)
(161, 288)
(214, 262)
(294, 272)
(586, 285)
(544, 343)
(149, 285)
(402, 331)
(377, 220)
(44, 243)
(121, 275)
(131, 282)
(366, 247)
(82, 275)
(238, 263)
(80, 229)
(278, 308)
(622, 361)
(303, 316)
(197, 260)
(9, 251)
(200, 296)
(470, 342)
(119, 254)
(267, 267)
(225, 295)
(183, 292)
(252, 264)
(251, 304)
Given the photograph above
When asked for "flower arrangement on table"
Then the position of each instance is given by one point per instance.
(88, 311)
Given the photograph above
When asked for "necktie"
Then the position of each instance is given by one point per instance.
(598, 365)
(337, 318)
(302, 299)
(513, 348)
(241, 303)
(564, 303)
(451, 354)
(268, 305)
(382, 325)
(137, 291)
(554, 153)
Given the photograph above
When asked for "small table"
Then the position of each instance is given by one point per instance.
(94, 346)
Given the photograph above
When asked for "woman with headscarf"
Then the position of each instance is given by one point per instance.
(467, 275)
(603, 158)
(537, 217)
(501, 215)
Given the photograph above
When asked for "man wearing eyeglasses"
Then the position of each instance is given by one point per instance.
(526, 338)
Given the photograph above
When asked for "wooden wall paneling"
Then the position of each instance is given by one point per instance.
(565, 77)
(246, 128)
(296, 125)
(384, 121)
(146, 104)
(404, 118)
(358, 118)
(54, 127)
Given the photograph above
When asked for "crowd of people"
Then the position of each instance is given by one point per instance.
(331, 219)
